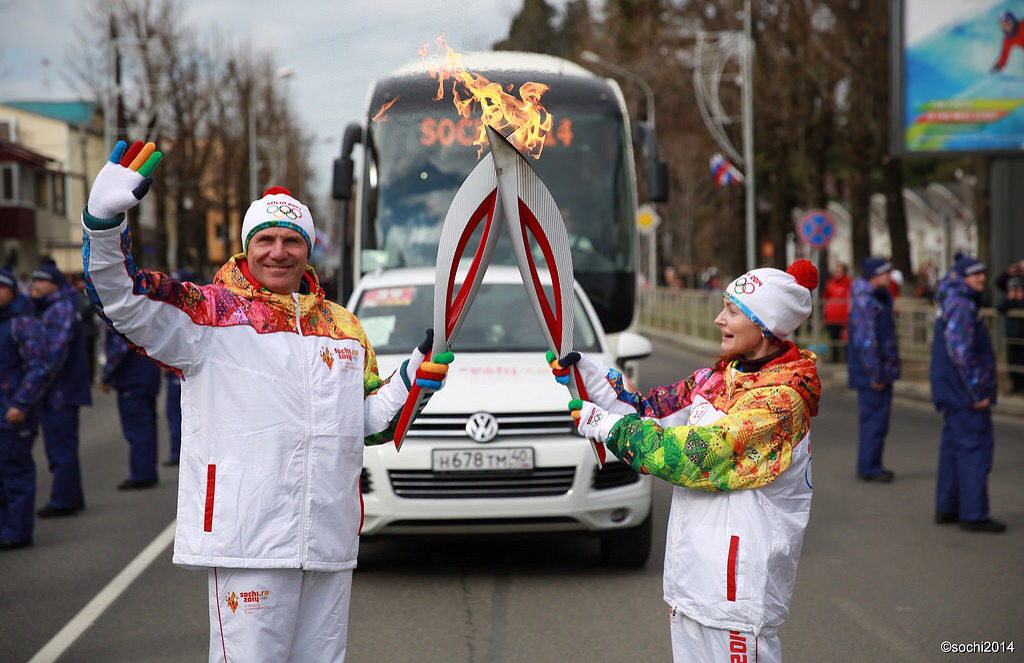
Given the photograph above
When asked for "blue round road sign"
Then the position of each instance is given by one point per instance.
(816, 228)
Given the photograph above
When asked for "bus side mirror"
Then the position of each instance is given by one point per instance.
(655, 168)
(341, 183)
(657, 180)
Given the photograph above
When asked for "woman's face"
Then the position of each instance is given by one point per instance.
(739, 335)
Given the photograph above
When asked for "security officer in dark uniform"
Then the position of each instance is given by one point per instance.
(873, 362)
(963, 381)
(137, 381)
(56, 304)
(23, 379)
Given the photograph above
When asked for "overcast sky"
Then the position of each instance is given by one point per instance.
(335, 47)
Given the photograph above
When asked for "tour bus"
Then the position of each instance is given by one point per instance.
(495, 452)
(417, 150)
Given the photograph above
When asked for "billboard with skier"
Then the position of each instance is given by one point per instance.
(960, 76)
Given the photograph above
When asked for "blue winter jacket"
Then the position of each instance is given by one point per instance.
(127, 371)
(24, 372)
(872, 352)
(65, 349)
(963, 364)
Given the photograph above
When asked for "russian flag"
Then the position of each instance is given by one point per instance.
(724, 173)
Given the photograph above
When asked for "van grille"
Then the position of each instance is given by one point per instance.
(529, 423)
(427, 484)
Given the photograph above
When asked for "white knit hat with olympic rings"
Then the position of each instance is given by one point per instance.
(776, 301)
(278, 208)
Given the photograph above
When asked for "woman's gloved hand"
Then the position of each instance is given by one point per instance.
(592, 422)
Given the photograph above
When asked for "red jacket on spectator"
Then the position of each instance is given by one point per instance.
(836, 297)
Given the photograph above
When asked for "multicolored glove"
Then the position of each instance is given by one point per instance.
(428, 374)
(591, 421)
(597, 379)
(561, 367)
(123, 180)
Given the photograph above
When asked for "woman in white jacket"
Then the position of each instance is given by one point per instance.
(734, 439)
(280, 392)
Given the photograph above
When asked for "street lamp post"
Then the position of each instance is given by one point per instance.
(706, 79)
(748, 135)
(283, 73)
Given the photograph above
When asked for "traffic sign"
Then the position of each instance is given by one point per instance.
(816, 228)
(647, 219)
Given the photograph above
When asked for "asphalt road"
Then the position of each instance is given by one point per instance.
(877, 580)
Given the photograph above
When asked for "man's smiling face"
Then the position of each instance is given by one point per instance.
(277, 258)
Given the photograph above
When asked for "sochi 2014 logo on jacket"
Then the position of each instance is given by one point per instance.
(348, 357)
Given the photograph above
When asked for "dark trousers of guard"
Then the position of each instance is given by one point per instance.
(965, 460)
(138, 423)
(60, 440)
(875, 408)
(17, 483)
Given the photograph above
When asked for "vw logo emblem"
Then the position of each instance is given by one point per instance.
(482, 427)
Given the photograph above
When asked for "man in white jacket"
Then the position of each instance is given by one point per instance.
(280, 391)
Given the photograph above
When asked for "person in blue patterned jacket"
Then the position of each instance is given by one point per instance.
(137, 381)
(56, 303)
(873, 363)
(963, 381)
(23, 379)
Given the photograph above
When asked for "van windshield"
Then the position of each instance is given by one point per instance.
(500, 320)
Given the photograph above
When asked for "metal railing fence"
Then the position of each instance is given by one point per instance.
(691, 313)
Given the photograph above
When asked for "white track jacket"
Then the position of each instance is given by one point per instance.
(279, 395)
(737, 447)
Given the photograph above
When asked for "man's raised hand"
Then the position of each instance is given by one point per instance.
(123, 180)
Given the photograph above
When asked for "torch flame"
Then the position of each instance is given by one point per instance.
(523, 120)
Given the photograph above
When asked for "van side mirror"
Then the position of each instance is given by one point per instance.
(632, 346)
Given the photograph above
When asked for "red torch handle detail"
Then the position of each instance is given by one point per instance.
(412, 403)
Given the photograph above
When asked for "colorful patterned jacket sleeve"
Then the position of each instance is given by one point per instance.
(959, 314)
(28, 334)
(746, 448)
(660, 402)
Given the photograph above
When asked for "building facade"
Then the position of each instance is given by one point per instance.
(49, 151)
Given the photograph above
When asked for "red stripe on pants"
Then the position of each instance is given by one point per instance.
(211, 477)
(730, 573)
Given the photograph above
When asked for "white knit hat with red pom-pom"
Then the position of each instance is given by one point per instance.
(776, 301)
(278, 208)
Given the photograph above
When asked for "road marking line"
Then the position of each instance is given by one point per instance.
(57, 645)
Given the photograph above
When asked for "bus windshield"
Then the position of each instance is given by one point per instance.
(420, 151)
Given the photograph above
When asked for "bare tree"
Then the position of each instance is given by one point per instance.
(159, 81)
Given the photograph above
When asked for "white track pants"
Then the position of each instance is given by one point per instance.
(278, 615)
(693, 642)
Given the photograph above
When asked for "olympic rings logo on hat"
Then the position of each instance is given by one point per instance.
(285, 210)
(743, 286)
